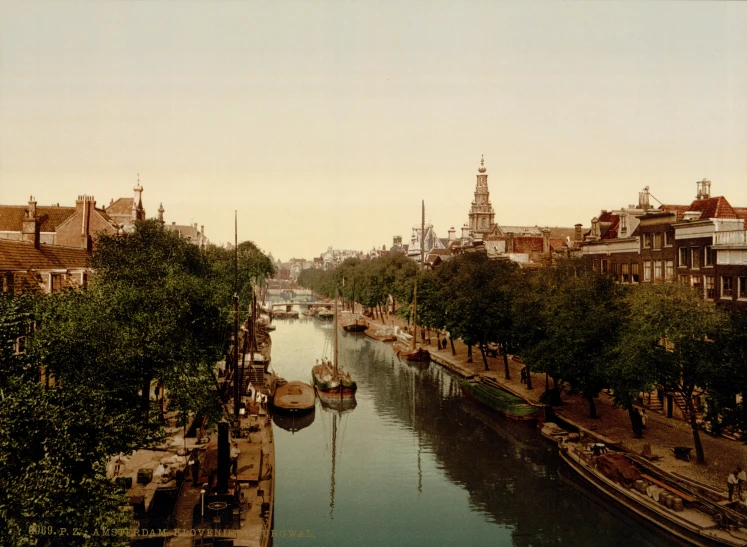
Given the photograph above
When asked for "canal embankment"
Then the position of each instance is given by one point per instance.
(612, 424)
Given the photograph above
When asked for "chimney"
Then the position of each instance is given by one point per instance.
(30, 228)
(578, 234)
(546, 241)
(32, 206)
(509, 243)
(704, 189)
(224, 459)
(465, 233)
(202, 230)
(643, 202)
(83, 207)
(452, 233)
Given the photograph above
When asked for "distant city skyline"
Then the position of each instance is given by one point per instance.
(326, 123)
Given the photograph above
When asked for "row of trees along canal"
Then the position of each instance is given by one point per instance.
(157, 312)
(576, 325)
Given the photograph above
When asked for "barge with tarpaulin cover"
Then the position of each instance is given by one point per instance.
(489, 393)
(652, 494)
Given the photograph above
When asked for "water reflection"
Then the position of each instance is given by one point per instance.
(293, 421)
(417, 464)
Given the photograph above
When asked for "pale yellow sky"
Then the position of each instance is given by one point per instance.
(326, 123)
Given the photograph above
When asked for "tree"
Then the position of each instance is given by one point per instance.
(53, 444)
(682, 338)
(475, 298)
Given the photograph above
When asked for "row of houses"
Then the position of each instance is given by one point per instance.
(703, 244)
(48, 248)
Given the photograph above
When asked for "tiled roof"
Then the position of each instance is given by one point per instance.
(716, 207)
(123, 206)
(741, 212)
(23, 256)
(188, 231)
(11, 217)
(678, 209)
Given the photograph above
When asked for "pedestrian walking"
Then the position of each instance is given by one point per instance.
(194, 466)
(235, 458)
(731, 483)
(644, 418)
(524, 375)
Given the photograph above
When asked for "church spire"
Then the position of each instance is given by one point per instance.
(481, 215)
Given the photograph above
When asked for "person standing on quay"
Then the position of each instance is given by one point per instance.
(731, 482)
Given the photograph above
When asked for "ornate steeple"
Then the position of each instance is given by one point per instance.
(138, 212)
(160, 214)
(481, 215)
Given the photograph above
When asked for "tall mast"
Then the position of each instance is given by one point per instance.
(236, 391)
(415, 314)
(422, 239)
(334, 322)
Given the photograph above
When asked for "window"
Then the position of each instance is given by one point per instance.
(647, 270)
(684, 279)
(669, 270)
(668, 239)
(646, 241)
(634, 272)
(726, 287)
(707, 256)
(596, 266)
(742, 287)
(658, 273)
(657, 241)
(683, 257)
(710, 287)
(625, 273)
(695, 258)
(56, 280)
(20, 345)
(604, 266)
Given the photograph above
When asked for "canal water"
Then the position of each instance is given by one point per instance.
(416, 464)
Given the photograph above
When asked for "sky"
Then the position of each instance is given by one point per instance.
(326, 123)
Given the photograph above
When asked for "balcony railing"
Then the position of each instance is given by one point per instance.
(731, 238)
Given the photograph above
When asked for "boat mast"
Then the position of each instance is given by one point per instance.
(236, 393)
(415, 314)
(415, 294)
(334, 323)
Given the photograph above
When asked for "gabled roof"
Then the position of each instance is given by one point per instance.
(741, 212)
(23, 256)
(716, 207)
(11, 217)
(123, 206)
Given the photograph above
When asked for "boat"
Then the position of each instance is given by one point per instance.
(382, 334)
(324, 314)
(490, 394)
(411, 351)
(668, 504)
(352, 322)
(329, 377)
(333, 401)
(294, 397)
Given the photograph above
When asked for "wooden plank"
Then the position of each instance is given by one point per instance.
(686, 497)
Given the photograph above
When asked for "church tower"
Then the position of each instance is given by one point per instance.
(481, 216)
